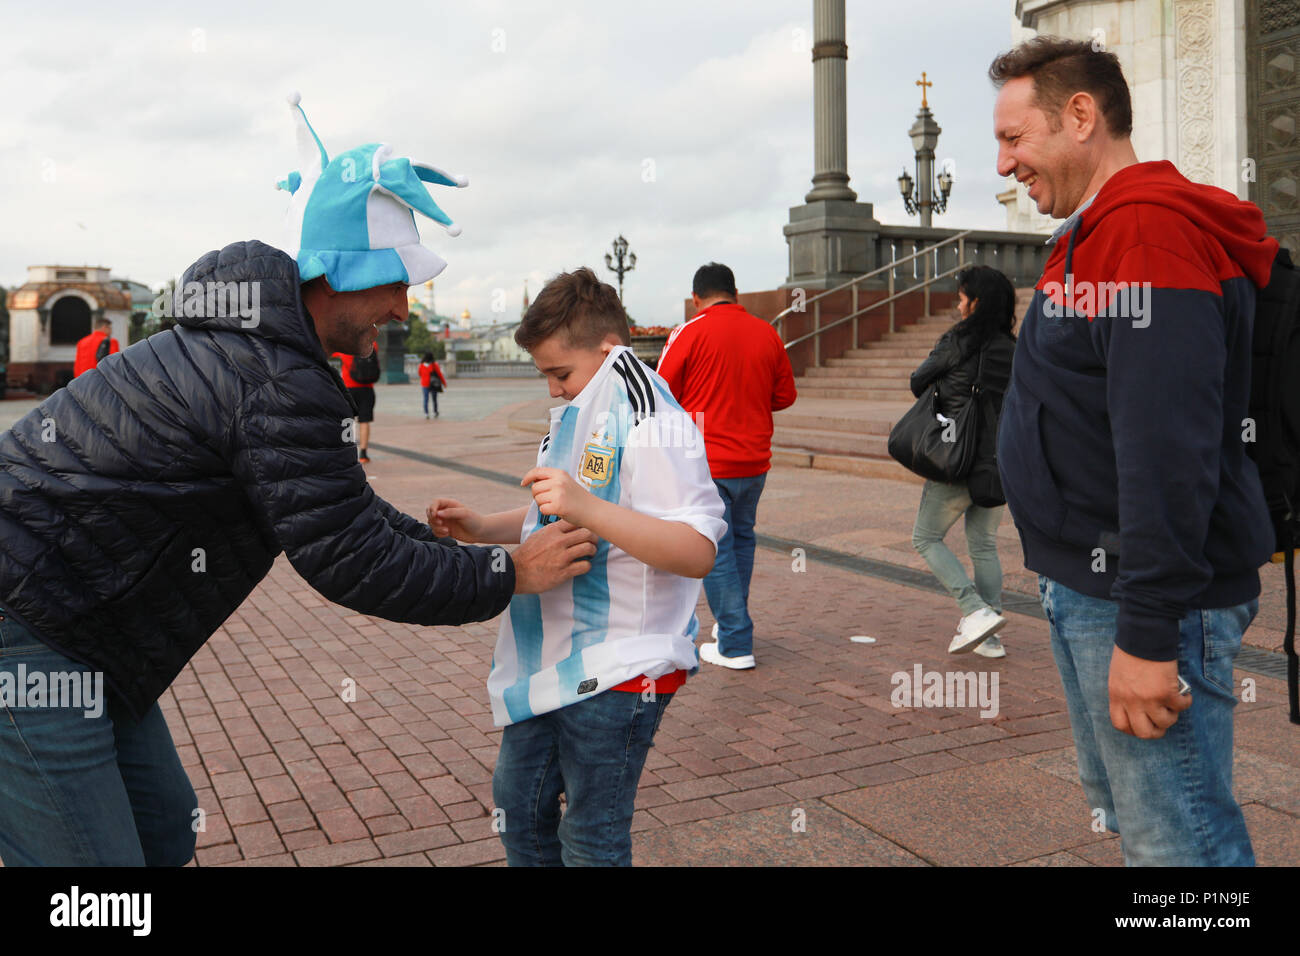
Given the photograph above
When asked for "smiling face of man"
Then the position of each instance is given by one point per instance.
(1048, 152)
(349, 322)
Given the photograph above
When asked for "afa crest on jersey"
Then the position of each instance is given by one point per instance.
(597, 469)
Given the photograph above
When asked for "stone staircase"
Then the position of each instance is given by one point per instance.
(879, 372)
(846, 407)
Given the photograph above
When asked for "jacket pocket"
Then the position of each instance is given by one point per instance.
(1027, 480)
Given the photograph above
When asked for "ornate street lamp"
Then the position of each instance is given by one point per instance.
(620, 254)
(928, 194)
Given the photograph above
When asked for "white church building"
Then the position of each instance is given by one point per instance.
(1215, 87)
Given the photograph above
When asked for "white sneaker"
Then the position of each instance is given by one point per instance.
(991, 648)
(974, 629)
(709, 652)
(715, 630)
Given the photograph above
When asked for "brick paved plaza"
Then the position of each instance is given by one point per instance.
(801, 761)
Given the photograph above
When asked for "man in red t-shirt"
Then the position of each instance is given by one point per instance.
(730, 371)
(95, 346)
(364, 395)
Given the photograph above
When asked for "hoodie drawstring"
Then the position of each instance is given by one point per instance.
(1069, 263)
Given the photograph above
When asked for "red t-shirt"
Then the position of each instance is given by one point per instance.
(668, 684)
(347, 371)
(731, 368)
(86, 350)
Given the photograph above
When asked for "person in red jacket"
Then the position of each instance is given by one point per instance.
(432, 382)
(363, 393)
(94, 347)
(730, 371)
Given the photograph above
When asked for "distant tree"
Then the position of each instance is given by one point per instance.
(145, 324)
(418, 338)
(136, 330)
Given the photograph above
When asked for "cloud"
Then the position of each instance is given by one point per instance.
(685, 126)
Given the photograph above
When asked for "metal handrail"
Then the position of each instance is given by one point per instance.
(898, 295)
(956, 237)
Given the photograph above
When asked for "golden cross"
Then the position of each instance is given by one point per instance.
(923, 84)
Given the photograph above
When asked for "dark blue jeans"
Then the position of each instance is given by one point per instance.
(592, 752)
(79, 790)
(727, 585)
(431, 393)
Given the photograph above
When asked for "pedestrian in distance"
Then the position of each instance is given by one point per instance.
(95, 347)
(431, 382)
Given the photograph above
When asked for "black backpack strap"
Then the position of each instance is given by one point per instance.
(1288, 643)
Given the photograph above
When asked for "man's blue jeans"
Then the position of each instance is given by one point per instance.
(85, 791)
(592, 752)
(727, 585)
(1169, 799)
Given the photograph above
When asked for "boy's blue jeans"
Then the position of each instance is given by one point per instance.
(1169, 799)
(592, 752)
(727, 585)
(86, 791)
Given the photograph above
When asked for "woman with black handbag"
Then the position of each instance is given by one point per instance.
(964, 379)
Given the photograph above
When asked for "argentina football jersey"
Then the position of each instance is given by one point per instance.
(626, 440)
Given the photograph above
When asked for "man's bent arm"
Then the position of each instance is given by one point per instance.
(337, 533)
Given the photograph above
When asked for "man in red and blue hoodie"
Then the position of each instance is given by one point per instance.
(1121, 448)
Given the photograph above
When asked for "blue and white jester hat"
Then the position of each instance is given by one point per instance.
(350, 218)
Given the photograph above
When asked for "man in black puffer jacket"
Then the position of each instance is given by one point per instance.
(140, 505)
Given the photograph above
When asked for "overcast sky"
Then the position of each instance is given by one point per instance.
(141, 135)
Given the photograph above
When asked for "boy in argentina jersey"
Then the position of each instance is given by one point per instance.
(582, 673)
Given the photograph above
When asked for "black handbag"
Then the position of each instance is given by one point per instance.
(940, 451)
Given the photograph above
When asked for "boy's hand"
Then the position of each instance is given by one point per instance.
(556, 493)
(448, 518)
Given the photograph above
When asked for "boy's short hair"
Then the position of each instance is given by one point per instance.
(578, 305)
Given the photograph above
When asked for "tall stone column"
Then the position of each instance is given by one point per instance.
(832, 237)
(830, 104)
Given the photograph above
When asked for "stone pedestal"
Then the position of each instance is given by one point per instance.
(831, 242)
(392, 354)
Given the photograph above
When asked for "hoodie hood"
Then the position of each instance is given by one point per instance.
(1236, 224)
